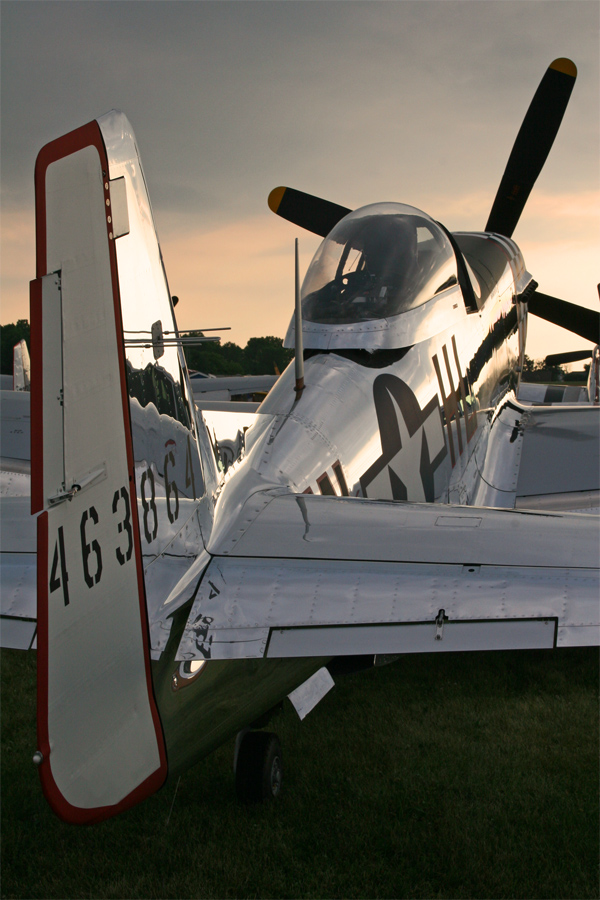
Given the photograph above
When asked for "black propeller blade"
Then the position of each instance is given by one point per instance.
(557, 359)
(533, 143)
(312, 213)
(578, 319)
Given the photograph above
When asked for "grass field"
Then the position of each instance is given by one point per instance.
(438, 776)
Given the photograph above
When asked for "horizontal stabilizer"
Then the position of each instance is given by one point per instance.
(323, 576)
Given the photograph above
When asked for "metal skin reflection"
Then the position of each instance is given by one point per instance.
(402, 430)
(410, 394)
(177, 483)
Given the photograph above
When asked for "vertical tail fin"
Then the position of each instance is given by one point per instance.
(106, 367)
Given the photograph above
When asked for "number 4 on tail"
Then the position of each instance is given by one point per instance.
(59, 559)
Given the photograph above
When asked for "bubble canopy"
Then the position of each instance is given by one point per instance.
(379, 261)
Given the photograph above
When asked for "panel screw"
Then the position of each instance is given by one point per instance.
(38, 758)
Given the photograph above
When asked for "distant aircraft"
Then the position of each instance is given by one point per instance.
(231, 387)
(394, 496)
(21, 367)
(228, 404)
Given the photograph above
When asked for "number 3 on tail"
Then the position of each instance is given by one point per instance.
(125, 525)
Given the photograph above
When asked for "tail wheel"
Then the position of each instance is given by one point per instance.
(259, 771)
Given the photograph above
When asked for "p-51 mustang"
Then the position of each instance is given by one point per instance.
(178, 607)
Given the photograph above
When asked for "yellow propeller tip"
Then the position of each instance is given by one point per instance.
(566, 66)
(275, 198)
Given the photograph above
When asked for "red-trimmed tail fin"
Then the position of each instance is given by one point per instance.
(99, 732)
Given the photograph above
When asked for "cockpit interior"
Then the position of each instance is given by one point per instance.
(378, 262)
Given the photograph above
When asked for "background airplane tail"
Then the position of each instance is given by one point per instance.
(21, 367)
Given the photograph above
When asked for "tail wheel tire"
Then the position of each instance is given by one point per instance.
(259, 771)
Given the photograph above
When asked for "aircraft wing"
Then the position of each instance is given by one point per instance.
(228, 386)
(307, 575)
(18, 588)
(560, 458)
(530, 392)
(18, 602)
(540, 456)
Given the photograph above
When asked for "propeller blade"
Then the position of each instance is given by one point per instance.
(534, 140)
(578, 319)
(557, 359)
(312, 213)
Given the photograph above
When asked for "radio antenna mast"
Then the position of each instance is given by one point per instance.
(298, 336)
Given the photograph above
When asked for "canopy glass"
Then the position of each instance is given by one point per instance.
(379, 261)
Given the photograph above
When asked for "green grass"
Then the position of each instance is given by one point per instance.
(446, 776)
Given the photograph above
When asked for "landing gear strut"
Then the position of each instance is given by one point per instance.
(258, 772)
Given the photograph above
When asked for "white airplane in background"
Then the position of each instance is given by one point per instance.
(228, 404)
(229, 387)
(177, 607)
(21, 367)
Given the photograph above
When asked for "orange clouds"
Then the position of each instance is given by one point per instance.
(581, 206)
(241, 275)
(17, 248)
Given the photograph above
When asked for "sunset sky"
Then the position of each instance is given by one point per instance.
(417, 101)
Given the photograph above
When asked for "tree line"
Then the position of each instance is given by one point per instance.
(540, 372)
(260, 356)
(11, 335)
